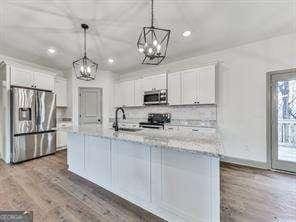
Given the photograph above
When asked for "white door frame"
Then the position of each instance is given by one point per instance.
(271, 120)
(79, 102)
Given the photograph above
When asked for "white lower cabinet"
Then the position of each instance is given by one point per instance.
(189, 187)
(98, 160)
(177, 186)
(131, 169)
(62, 136)
(75, 154)
(61, 140)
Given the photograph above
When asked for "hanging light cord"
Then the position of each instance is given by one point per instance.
(152, 14)
(84, 42)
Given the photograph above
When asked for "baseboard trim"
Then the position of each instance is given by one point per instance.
(61, 148)
(244, 162)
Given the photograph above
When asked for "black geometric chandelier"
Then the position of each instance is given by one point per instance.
(85, 68)
(153, 42)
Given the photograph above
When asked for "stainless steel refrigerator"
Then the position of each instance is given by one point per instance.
(33, 123)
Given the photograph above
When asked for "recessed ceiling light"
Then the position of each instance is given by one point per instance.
(186, 33)
(110, 60)
(51, 51)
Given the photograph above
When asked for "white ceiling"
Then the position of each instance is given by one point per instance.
(29, 27)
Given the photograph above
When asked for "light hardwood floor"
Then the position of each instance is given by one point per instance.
(254, 195)
(45, 186)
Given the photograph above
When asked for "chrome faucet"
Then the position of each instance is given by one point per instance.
(115, 124)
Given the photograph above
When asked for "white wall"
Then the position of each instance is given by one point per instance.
(104, 80)
(2, 112)
(5, 113)
(241, 90)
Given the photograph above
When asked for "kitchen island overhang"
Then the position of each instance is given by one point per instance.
(173, 175)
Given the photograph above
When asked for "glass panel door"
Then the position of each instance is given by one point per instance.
(284, 122)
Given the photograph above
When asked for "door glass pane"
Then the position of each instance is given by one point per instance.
(286, 91)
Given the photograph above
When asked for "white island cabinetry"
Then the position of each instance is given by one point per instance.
(98, 160)
(173, 184)
(76, 154)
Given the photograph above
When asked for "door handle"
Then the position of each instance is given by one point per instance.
(99, 120)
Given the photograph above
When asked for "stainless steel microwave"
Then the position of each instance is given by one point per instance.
(155, 97)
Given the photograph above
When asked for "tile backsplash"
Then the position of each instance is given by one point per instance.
(203, 115)
(62, 116)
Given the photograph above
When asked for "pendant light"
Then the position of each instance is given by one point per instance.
(153, 42)
(85, 69)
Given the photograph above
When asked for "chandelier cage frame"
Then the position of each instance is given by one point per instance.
(153, 42)
(85, 68)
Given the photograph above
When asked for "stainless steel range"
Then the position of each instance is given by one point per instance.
(156, 120)
(33, 123)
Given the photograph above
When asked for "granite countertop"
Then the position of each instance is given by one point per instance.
(207, 143)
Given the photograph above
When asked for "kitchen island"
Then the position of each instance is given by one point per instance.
(173, 174)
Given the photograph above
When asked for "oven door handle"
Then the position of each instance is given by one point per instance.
(159, 94)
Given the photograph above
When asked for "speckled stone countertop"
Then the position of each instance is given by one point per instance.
(200, 142)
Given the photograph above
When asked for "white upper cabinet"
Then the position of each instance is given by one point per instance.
(125, 93)
(194, 86)
(189, 87)
(206, 85)
(61, 92)
(117, 99)
(174, 88)
(139, 92)
(22, 77)
(129, 93)
(44, 81)
(155, 82)
(28, 78)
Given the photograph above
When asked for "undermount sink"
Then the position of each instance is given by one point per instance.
(129, 129)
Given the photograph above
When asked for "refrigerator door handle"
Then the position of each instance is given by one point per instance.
(37, 115)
